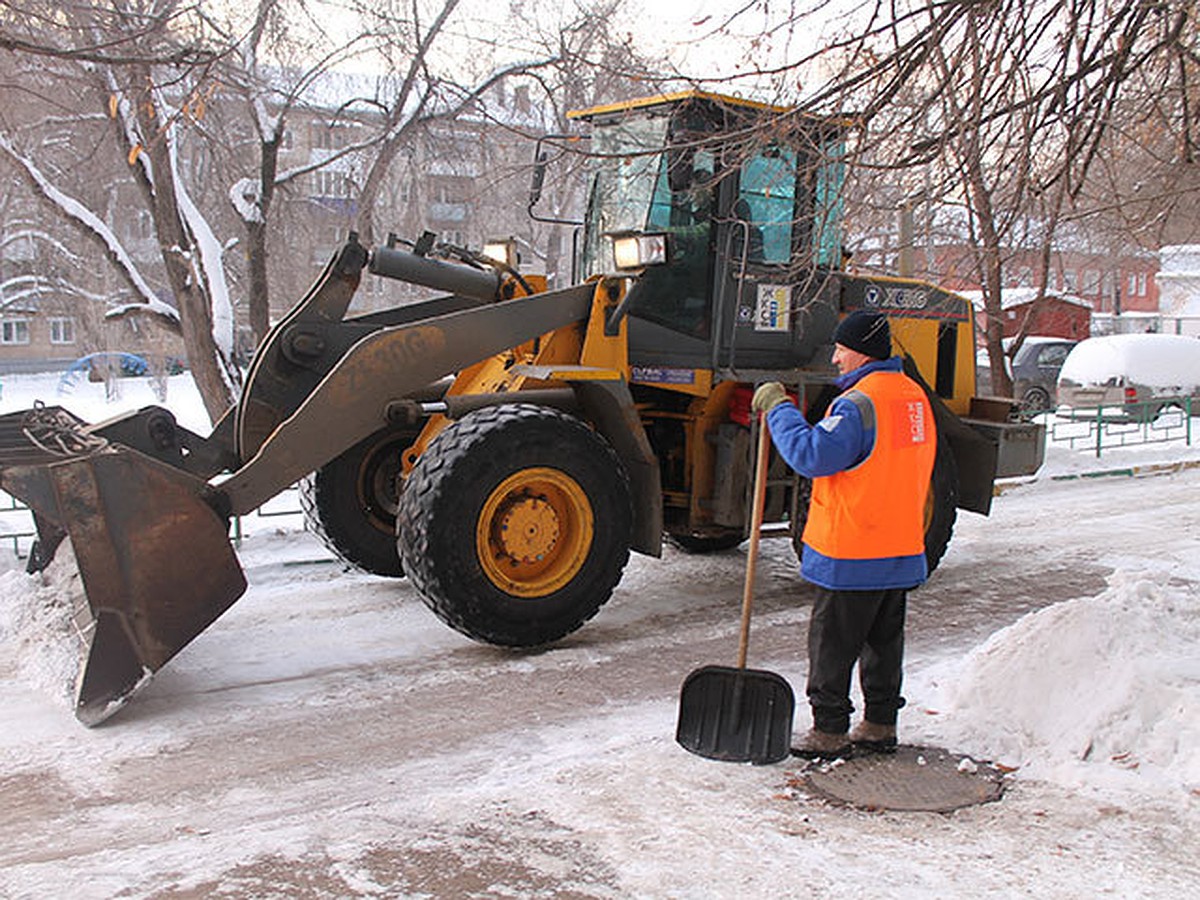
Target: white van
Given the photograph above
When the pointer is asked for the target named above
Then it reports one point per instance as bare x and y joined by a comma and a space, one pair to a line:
1131, 369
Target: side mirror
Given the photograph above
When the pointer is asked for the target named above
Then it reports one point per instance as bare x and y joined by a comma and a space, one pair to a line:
538, 178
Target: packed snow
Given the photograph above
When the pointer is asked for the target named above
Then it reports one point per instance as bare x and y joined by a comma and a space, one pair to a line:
276, 756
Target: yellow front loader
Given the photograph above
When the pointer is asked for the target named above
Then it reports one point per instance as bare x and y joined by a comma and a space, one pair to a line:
506, 446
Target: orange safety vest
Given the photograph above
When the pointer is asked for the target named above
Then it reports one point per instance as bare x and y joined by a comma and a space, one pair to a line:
876, 509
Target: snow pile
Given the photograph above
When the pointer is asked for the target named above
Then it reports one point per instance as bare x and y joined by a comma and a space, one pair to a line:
1092, 691
40, 620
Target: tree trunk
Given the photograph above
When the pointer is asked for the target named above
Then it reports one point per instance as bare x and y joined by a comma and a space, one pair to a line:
178, 249
256, 239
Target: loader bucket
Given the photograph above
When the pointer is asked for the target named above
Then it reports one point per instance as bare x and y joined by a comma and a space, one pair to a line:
154, 557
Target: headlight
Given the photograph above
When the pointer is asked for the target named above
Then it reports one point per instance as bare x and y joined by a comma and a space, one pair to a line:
502, 250
636, 251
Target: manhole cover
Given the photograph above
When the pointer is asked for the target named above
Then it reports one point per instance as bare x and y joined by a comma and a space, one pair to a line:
913, 778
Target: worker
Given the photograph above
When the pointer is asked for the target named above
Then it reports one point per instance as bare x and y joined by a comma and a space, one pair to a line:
870, 460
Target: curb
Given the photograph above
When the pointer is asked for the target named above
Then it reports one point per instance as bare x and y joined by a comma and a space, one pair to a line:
1132, 471
1123, 472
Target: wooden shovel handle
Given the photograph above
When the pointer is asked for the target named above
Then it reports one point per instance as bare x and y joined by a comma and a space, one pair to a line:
756, 518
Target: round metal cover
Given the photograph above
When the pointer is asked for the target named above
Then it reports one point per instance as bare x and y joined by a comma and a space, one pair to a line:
913, 778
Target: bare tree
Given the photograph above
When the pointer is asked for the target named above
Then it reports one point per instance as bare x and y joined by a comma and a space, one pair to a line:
130, 68
159, 93
1011, 104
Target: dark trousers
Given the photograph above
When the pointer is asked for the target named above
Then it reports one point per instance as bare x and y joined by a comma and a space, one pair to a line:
866, 627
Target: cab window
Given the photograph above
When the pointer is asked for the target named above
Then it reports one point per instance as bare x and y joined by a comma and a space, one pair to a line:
767, 203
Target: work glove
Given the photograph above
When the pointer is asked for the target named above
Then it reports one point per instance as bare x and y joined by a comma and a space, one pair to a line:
768, 396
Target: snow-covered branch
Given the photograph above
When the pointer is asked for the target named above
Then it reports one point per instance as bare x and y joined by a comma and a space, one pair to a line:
84, 218
207, 265
20, 230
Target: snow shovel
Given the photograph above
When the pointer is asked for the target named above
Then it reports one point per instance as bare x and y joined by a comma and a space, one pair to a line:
734, 713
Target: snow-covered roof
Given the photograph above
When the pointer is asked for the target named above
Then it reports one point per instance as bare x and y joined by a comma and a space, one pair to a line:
1010, 297
1179, 280
514, 102
1179, 261
1035, 339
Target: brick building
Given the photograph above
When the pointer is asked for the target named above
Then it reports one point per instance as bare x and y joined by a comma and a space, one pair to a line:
1106, 283
1057, 315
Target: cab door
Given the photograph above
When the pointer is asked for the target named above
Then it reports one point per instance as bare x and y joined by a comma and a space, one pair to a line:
776, 286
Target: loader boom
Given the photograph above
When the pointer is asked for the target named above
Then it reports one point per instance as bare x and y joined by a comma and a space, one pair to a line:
386, 366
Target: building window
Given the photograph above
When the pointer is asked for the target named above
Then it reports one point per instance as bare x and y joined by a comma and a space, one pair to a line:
323, 137
1091, 282
62, 331
331, 184
1141, 284
1070, 281
14, 331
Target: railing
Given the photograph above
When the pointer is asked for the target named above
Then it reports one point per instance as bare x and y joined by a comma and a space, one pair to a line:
1099, 428
17, 529
16, 525
284, 504
1165, 420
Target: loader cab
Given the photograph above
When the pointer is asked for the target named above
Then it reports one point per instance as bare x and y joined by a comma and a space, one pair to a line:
749, 199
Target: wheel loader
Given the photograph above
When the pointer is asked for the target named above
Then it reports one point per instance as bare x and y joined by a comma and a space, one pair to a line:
502, 445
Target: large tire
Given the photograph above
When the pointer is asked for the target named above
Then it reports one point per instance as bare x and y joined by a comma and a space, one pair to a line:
515, 524
350, 502
941, 508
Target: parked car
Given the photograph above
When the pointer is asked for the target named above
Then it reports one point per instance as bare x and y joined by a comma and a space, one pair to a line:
1141, 372
1034, 371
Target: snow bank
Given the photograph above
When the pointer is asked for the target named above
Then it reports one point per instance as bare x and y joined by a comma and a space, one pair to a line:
40, 620
1167, 361
1094, 691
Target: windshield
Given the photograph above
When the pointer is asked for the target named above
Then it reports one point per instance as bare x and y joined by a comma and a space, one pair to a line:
628, 159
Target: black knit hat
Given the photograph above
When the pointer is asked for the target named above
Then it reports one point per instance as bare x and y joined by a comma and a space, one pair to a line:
866, 332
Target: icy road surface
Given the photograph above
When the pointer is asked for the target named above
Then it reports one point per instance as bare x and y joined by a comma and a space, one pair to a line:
330, 738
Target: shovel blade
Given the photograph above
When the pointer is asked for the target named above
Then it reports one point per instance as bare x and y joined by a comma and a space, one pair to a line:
736, 715
154, 557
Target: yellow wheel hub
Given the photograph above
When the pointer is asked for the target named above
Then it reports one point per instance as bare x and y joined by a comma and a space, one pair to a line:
534, 532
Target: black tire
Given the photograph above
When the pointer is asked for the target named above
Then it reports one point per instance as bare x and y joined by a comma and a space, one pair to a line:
690, 543
941, 510
542, 470
351, 501
1035, 400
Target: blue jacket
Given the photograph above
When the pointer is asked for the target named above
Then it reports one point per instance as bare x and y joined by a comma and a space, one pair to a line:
840, 441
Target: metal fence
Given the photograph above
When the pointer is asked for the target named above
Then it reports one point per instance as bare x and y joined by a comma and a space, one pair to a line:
16, 525
1094, 429
17, 530
1098, 428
